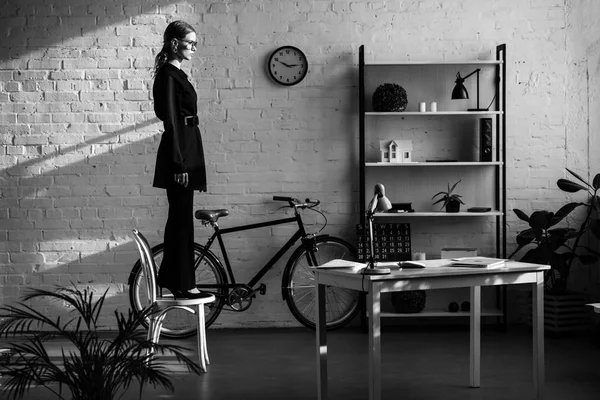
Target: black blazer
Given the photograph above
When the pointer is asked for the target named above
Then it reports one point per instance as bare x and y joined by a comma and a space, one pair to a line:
180, 148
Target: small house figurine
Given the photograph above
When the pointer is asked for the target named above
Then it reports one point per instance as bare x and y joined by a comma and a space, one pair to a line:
396, 151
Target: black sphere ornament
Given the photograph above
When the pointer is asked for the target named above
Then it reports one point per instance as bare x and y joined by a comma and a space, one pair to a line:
409, 301
389, 97
453, 307
465, 306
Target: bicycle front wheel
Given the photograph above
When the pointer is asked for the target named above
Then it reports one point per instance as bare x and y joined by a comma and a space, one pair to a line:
299, 284
180, 323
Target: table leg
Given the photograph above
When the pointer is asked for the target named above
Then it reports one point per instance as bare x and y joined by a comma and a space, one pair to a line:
321, 343
374, 309
538, 336
475, 338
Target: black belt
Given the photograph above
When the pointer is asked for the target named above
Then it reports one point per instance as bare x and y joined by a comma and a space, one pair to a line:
191, 121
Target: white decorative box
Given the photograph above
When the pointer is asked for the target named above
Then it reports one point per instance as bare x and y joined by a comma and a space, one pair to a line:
456, 252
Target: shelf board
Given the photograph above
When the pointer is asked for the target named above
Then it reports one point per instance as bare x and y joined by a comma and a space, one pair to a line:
431, 113
438, 214
434, 164
441, 313
416, 63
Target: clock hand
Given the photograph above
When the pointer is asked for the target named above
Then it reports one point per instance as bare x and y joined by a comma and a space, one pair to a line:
285, 64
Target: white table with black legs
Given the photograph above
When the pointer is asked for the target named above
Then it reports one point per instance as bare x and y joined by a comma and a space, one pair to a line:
434, 276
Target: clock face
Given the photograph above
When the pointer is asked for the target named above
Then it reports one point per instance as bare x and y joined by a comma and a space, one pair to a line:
288, 65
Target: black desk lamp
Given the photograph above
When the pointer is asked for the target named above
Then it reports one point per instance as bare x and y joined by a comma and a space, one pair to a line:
378, 203
460, 91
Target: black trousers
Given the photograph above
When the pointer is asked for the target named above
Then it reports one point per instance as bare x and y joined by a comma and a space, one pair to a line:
177, 267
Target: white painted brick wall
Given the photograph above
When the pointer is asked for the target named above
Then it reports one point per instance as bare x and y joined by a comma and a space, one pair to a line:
78, 135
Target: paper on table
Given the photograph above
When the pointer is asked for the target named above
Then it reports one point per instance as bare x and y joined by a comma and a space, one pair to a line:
477, 262
342, 264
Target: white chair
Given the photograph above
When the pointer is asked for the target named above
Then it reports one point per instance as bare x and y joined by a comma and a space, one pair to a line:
165, 304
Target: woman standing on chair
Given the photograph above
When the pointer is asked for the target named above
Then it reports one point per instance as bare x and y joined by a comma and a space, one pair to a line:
180, 160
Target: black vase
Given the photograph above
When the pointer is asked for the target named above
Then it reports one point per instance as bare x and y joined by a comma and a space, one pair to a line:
453, 206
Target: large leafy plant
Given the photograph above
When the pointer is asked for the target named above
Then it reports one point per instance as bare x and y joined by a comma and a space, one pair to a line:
560, 247
92, 368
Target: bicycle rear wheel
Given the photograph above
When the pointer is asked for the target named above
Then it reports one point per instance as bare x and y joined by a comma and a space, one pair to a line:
180, 323
299, 285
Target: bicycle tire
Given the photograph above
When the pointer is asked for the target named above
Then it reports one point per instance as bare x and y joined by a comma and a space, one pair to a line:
298, 285
180, 323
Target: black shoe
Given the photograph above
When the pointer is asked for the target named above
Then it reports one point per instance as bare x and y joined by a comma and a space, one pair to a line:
184, 294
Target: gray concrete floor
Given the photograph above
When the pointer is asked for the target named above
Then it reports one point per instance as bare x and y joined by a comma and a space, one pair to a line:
418, 364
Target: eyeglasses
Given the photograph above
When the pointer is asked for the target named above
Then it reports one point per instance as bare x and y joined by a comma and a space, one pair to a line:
190, 42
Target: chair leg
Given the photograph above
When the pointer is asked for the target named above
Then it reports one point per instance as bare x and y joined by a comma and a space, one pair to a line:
154, 328
150, 337
158, 326
202, 352
203, 325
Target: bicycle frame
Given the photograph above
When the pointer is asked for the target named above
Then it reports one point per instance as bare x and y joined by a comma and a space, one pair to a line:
218, 234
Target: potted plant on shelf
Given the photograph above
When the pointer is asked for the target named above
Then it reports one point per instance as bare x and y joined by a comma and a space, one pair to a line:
94, 368
452, 201
544, 242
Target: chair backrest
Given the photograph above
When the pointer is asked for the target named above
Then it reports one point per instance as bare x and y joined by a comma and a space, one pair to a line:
148, 265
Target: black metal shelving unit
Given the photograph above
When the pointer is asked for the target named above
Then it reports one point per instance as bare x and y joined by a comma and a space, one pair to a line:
497, 110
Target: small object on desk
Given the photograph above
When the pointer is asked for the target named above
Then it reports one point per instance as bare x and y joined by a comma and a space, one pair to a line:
411, 264
479, 209
476, 262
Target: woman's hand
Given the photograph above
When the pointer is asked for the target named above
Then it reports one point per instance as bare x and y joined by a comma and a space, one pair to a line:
182, 179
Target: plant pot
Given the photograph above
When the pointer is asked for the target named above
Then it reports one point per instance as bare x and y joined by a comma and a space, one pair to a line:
453, 206
566, 313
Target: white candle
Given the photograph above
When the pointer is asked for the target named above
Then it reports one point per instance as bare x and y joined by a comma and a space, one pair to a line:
422, 106
433, 106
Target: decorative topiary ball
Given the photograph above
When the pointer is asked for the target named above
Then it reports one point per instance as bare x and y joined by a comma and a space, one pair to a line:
389, 97
409, 301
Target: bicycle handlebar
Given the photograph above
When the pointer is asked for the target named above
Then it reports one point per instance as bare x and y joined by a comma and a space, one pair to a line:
308, 203
282, 198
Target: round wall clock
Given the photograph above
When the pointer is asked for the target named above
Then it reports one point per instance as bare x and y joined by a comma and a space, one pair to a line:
288, 65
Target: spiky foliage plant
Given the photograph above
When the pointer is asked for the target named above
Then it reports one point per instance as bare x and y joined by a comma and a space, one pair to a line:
91, 368
448, 196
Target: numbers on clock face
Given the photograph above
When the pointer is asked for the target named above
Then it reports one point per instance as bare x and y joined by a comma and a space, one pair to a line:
288, 65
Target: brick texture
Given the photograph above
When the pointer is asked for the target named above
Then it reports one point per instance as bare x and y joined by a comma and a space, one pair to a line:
78, 136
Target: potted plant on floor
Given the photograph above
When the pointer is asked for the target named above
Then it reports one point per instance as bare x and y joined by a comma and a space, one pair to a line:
95, 368
452, 201
562, 247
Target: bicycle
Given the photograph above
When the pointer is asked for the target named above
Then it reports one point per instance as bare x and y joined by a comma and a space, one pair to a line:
297, 285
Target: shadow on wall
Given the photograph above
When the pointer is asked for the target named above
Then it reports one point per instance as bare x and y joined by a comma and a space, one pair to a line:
37, 30
73, 197
72, 212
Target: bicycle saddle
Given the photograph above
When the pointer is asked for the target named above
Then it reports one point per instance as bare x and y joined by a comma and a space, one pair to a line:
210, 215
